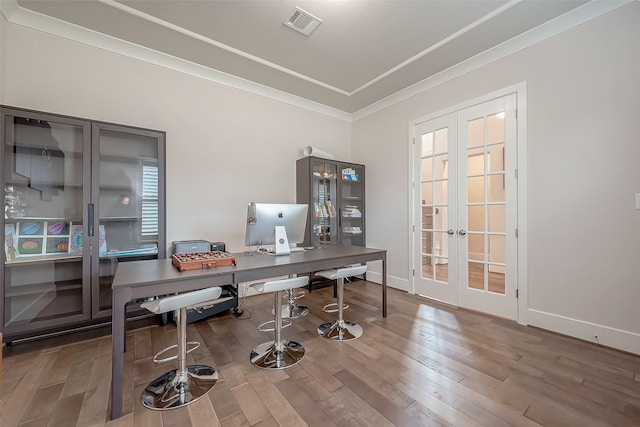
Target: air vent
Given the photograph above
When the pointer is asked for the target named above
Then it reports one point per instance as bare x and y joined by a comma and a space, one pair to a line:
302, 21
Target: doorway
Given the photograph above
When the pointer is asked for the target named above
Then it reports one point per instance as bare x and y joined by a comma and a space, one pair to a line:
465, 207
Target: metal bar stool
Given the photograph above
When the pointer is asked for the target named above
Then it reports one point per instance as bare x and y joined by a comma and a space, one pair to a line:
279, 353
340, 329
186, 384
291, 310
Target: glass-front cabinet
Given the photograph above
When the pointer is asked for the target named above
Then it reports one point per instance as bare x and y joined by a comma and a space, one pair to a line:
79, 197
335, 192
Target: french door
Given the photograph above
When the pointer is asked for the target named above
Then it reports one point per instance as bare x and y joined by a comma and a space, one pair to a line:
465, 198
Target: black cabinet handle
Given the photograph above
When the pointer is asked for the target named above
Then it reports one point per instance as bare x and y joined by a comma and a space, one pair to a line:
90, 215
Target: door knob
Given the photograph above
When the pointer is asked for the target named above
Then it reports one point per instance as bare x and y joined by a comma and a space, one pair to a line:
450, 232
462, 232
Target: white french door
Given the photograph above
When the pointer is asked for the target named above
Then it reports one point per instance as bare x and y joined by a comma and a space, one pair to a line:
465, 212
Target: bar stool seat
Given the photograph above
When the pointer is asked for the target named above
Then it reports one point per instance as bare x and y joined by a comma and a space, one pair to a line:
340, 329
279, 353
186, 384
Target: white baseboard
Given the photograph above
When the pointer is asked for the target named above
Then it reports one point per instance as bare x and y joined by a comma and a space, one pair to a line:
392, 281
607, 336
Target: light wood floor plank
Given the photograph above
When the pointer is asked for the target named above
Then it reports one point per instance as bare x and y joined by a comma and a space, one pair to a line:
304, 404
252, 406
16, 405
281, 410
425, 364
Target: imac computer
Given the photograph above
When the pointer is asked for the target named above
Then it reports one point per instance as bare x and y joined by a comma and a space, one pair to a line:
275, 224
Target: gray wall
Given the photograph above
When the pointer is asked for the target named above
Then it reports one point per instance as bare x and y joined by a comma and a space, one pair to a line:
583, 103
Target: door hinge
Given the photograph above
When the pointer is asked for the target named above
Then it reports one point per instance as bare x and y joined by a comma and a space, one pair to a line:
414, 141
414, 228
517, 294
516, 173
515, 113
413, 272
516, 233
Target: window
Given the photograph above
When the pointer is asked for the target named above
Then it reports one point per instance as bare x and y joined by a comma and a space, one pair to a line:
149, 200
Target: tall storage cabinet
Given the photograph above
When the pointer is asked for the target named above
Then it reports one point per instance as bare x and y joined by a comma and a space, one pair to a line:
335, 193
79, 197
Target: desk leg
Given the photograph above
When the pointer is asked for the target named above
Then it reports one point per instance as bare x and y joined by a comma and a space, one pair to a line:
384, 285
117, 352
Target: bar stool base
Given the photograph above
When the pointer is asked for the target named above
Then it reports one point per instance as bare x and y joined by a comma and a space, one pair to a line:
266, 355
165, 392
349, 331
297, 311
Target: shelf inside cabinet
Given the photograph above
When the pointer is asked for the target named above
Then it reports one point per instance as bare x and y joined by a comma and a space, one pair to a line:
114, 158
119, 219
148, 250
45, 259
116, 187
39, 288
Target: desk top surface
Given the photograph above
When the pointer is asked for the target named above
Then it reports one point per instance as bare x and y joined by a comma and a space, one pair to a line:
140, 273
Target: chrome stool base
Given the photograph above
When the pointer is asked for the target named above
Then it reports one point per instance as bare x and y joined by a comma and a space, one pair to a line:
169, 392
347, 332
293, 312
267, 355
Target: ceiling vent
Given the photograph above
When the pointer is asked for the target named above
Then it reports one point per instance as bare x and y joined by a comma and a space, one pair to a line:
302, 21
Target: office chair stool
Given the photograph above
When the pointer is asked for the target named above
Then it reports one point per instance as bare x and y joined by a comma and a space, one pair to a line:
186, 384
340, 329
279, 353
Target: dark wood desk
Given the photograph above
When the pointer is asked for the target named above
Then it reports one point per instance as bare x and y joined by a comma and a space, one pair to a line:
141, 279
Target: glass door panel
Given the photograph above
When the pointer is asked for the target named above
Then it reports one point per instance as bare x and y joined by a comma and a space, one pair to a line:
351, 211
483, 243
325, 189
433, 192
127, 201
44, 197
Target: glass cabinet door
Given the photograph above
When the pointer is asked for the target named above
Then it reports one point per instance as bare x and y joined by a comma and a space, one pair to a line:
128, 199
325, 217
43, 271
351, 208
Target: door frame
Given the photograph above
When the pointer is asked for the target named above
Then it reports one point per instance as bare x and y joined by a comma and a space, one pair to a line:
520, 90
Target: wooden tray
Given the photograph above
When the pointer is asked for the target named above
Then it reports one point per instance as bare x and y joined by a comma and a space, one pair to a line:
202, 260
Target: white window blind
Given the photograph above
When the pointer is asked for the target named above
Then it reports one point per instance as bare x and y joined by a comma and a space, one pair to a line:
149, 200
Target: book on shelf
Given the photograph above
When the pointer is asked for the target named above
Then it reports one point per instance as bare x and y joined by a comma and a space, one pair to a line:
351, 212
352, 230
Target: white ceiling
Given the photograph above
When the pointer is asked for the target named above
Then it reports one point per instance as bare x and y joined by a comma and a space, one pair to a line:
363, 51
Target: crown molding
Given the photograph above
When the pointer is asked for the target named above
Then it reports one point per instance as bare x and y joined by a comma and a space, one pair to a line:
30, 19
47, 24
572, 19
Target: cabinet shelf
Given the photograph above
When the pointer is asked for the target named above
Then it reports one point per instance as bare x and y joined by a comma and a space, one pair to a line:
45, 259
119, 219
39, 288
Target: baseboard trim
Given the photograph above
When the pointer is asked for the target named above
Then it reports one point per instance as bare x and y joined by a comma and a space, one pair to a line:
607, 336
392, 281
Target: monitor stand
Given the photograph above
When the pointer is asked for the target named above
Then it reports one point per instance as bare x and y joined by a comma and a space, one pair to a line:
282, 243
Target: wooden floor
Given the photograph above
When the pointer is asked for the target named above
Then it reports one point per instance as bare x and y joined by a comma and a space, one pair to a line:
425, 364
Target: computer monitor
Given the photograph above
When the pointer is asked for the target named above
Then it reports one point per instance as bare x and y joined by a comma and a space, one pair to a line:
278, 224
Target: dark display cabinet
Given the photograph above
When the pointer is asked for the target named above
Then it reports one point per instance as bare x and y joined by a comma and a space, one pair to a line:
335, 192
79, 197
